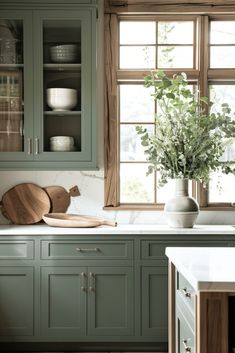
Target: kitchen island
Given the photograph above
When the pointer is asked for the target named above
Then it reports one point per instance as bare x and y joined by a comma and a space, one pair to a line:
201, 300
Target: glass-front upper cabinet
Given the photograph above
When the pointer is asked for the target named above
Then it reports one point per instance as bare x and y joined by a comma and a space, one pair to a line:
63, 128
48, 86
15, 65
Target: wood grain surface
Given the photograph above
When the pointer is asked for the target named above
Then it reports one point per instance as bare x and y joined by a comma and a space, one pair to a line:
59, 197
75, 221
26, 203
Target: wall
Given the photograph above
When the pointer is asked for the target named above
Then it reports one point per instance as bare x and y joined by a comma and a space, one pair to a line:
91, 184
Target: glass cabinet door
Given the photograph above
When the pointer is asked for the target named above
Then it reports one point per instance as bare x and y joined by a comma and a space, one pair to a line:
65, 86
15, 130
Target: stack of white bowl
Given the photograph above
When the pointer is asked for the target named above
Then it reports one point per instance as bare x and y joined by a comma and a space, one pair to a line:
61, 143
65, 53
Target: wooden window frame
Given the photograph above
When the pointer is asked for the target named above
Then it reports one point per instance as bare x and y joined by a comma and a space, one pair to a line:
113, 75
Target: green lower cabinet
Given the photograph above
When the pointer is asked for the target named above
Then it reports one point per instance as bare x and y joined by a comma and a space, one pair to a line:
74, 298
16, 301
110, 301
154, 302
63, 295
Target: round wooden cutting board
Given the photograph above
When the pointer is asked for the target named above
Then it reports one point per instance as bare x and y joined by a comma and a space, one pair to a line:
26, 203
59, 197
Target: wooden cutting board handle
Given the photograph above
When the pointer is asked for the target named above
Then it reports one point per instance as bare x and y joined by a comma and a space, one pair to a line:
105, 222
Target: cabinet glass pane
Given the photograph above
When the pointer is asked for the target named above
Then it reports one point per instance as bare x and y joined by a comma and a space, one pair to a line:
11, 85
62, 85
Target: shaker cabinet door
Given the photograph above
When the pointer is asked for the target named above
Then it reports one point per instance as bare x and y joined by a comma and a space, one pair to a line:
154, 302
110, 301
16, 301
63, 294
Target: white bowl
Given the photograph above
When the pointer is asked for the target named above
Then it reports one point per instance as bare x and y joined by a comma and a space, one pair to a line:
62, 142
61, 149
61, 99
66, 53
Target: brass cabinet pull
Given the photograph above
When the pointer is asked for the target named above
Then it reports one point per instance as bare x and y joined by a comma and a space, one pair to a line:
92, 282
29, 145
83, 282
186, 347
36, 145
88, 250
186, 293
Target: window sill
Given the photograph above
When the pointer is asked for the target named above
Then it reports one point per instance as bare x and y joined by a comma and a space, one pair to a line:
161, 208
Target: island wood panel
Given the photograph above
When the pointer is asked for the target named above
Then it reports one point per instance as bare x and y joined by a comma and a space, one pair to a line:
171, 308
212, 322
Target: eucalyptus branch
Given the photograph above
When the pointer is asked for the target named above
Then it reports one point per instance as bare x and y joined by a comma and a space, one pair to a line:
189, 143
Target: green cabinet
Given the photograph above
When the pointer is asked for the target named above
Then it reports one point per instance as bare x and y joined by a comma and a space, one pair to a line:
154, 302
93, 290
16, 301
48, 86
110, 301
63, 296
77, 298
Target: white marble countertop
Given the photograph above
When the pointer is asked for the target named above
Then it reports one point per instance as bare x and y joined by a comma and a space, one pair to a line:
128, 229
206, 269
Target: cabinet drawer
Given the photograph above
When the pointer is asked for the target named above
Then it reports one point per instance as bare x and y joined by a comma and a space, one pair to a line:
16, 250
87, 250
155, 249
185, 335
185, 290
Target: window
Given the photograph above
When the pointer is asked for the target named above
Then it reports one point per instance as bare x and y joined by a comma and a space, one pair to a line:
221, 82
173, 44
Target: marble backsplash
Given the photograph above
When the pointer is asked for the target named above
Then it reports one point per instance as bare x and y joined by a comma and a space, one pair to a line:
91, 200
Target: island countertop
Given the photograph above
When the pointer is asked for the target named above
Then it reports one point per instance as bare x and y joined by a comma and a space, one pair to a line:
206, 269
125, 229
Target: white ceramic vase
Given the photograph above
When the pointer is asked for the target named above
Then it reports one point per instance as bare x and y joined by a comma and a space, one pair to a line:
182, 210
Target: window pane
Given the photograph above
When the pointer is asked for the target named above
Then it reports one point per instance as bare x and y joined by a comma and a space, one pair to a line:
175, 32
130, 143
136, 104
220, 94
222, 57
175, 57
222, 32
137, 57
135, 186
136, 32
221, 188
